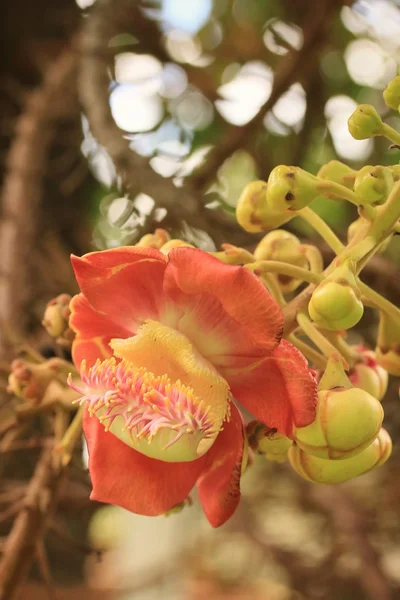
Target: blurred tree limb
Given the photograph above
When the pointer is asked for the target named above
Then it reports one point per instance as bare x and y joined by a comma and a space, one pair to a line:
105, 22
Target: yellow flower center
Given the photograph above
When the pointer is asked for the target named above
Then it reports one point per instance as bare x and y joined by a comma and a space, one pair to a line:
161, 397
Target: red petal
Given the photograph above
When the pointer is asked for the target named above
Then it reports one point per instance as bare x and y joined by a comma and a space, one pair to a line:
281, 391
126, 478
226, 311
219, 485
125, 283
93, 330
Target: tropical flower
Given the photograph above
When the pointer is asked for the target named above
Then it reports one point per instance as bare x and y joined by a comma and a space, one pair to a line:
164, 344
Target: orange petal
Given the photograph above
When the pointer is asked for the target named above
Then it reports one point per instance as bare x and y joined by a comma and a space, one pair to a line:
124, 477
93, 332
225, 310
125, 283
219, 485
281, 391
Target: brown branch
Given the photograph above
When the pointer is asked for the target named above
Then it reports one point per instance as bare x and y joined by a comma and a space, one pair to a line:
290, 70
103, 24
30, 524
22, 188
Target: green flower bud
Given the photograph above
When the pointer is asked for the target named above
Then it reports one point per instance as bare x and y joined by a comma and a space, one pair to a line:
233, 255
391, 94
373, 184
291, 188
285, 247
335, 303
253, 212
365, 122
347, 421
268, 442
388, 345
338, 172
165, 248
319, 470
368, 375
395, 169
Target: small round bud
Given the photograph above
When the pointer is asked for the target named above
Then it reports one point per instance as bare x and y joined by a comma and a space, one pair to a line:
268, 442
291, 188
335, 304
253, 212
373, 184
154, 240
285, 247
29, 380
174, 244
391, 94
338, 172
365, 122
347, 421
56, 315
319, 470
368, 375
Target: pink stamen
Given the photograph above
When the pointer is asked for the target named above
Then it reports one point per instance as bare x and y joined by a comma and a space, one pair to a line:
146, 403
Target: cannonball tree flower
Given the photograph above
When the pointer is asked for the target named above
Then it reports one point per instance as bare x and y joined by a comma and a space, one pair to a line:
164, 344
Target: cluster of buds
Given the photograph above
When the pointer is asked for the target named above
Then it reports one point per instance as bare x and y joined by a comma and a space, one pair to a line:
31, 381
346, 439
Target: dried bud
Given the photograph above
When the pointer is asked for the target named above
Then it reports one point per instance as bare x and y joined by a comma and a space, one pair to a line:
174, 244
338, 172
373, 184
30, 380
56, 315
154, 240
347, 421
335, 303
365, 122
291, 188
253, 212
391, 94
368, 375
319, 470
268, 442
285, 247
388, 345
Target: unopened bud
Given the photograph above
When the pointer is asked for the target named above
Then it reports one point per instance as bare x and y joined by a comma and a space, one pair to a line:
319, 470
365, 122
253, 212
373, 184
391, 94
174, 244
335, 303
347, 421
338, 172
268, 442
56, 315
388, 345
291, 188
284, 247
368, 375
358, 230
154, 240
